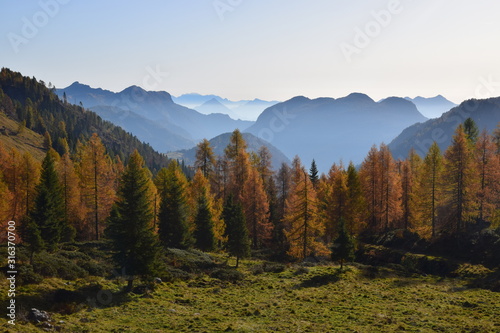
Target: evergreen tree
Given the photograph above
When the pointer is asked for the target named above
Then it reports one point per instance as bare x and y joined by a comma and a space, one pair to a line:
238, 242
48, 211
471, 130
343, 246
313, 174
130, 222
172, 217
204, 232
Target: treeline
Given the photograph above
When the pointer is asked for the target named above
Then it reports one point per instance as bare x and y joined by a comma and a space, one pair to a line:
65, 126
238, 203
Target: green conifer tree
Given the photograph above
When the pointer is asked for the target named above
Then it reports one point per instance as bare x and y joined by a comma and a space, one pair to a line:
172, 217
343, 246
238, 241
204, 232
48, 211
130, 224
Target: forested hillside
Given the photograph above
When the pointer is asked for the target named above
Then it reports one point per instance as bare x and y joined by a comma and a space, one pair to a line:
38, 108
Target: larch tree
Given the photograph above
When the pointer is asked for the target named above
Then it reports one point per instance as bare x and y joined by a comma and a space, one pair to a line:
74, 209
130, 224
238, 242
459, 173
409, 170
304, 227
372, 187
97, 181
488, 166
256, 209
390, 196
239, 164
283, 188
356, 205
30, 175
429, 189
172, 217
205, 159
12, 169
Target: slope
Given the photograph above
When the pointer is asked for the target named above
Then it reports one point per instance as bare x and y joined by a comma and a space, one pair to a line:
486, 114
27, 100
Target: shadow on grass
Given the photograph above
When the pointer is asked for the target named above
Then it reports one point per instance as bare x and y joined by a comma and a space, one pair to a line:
66, 301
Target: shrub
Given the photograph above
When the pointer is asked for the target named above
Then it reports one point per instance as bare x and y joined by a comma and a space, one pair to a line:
50, 265
26, 275
227, 274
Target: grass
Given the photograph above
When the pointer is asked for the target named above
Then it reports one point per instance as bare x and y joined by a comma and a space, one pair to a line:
26, 141
316, 299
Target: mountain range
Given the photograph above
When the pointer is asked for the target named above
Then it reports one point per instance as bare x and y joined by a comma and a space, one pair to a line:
206, 104
329, 130
177, 127
432, 107
485, 113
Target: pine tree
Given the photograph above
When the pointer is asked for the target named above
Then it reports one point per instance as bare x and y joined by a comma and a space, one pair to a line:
343, 246
283, 187
313, 173
172, 217
47, 214
238, 242
204, 232
372, 187
130, 222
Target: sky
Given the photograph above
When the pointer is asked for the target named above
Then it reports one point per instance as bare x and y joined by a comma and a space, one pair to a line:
267, 49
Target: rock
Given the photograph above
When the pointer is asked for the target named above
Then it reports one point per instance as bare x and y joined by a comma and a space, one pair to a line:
158, 280
38, 316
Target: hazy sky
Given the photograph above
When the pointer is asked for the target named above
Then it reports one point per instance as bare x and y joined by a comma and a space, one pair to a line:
273, 49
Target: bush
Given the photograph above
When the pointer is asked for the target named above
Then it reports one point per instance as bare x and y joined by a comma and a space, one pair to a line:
26, 275
190, 260
74, 255
226, 274
50, 265
268, 267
